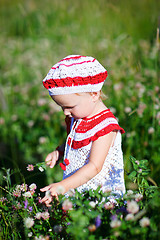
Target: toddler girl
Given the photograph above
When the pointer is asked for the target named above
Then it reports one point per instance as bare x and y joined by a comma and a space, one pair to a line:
92, 151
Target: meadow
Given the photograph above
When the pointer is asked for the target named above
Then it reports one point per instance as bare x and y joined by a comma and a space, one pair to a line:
124, 37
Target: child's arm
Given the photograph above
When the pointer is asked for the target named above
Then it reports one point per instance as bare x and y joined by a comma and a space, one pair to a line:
54, 156
98, 154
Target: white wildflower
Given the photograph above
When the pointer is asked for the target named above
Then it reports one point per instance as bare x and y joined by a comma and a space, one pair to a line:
92, 204
127, 109
23, 187
144, 222
27, 194
129, 217
71, 192
109, 205
45, 215
151, 130
115, 223
132, 207
60, 189
30, 234
38, 215
33, 186
28, 222
138, 197
129, 192
67, 205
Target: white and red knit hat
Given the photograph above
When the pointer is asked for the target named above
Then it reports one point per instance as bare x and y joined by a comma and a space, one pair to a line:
75, 74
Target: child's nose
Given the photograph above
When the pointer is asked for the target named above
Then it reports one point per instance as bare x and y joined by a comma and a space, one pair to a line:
66, 112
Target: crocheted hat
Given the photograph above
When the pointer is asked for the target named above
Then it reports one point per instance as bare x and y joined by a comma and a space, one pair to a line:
75, 74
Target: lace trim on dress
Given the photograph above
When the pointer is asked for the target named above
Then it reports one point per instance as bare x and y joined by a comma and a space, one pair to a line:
104, 131
89, 123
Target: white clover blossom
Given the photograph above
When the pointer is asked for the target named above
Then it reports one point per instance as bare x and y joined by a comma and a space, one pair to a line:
17, 193
38, 215
71, 192
60, 189
27, 194
28, 222
18, 187
129, 192
151, 130
138, 197
33, 186
109, 205
30, 234
129, 217
92, 204
132, 207
67, 205
45, 215
127, 109
115, 223
144, 222
23, 187
42, 140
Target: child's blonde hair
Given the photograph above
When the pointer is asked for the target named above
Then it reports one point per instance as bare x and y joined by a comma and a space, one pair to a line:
101, 97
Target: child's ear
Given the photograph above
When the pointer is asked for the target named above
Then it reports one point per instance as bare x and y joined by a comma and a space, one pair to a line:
95, 95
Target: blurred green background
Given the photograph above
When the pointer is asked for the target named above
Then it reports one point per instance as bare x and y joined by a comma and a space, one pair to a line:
34, 35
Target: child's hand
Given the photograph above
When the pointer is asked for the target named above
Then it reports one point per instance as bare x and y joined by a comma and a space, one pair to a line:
52, 158
51, 191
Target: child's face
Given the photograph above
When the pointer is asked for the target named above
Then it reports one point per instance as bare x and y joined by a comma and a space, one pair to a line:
77, 105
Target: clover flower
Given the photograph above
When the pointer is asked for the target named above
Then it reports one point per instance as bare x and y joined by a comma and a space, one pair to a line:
60, 189
144, 222
92, 204
30, 234
17, 193
67, 205
129, 217
27, 194
28, 222
151, 130
132, 207
115, 223
71, 192
38, 215
108, 205
129, 192
138, 197
33, 186
45, 215
23, 187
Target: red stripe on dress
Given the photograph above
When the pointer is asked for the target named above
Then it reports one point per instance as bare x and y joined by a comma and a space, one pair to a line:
85, 126
104, 131
76, 81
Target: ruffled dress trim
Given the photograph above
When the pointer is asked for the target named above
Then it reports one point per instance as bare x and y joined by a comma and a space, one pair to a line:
88, 125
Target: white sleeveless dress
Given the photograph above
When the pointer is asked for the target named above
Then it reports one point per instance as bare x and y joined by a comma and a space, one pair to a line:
81, 134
